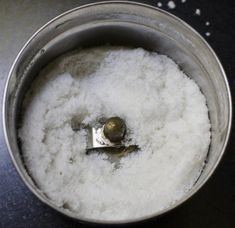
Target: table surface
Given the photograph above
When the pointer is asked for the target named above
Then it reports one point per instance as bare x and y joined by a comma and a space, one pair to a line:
212, 206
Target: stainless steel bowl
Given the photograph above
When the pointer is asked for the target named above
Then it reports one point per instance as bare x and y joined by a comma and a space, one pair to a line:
120, 23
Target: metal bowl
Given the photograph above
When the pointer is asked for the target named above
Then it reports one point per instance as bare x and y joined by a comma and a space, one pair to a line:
128, 24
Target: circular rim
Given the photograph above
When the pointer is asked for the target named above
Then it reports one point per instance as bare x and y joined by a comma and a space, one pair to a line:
178, 203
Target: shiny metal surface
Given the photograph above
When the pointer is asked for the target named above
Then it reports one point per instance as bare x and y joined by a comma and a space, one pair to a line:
96, 140
121, 23
115, 129
101, 136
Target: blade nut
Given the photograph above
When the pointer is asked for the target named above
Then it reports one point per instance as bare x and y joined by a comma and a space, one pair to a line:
115, 129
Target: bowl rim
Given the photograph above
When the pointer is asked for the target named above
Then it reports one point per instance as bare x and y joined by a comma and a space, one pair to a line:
81, 219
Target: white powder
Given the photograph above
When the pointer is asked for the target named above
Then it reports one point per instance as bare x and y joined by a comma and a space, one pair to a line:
163, 108
208, 33
198, 12
159, 4
171, 4
207, 23
183, 1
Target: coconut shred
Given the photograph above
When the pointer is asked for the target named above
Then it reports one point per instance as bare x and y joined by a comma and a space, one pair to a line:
166, 116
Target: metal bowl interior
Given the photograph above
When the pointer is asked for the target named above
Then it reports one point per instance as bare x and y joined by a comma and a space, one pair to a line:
128, 24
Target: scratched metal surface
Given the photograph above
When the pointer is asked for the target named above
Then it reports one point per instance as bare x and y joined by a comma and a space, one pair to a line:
213, 206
